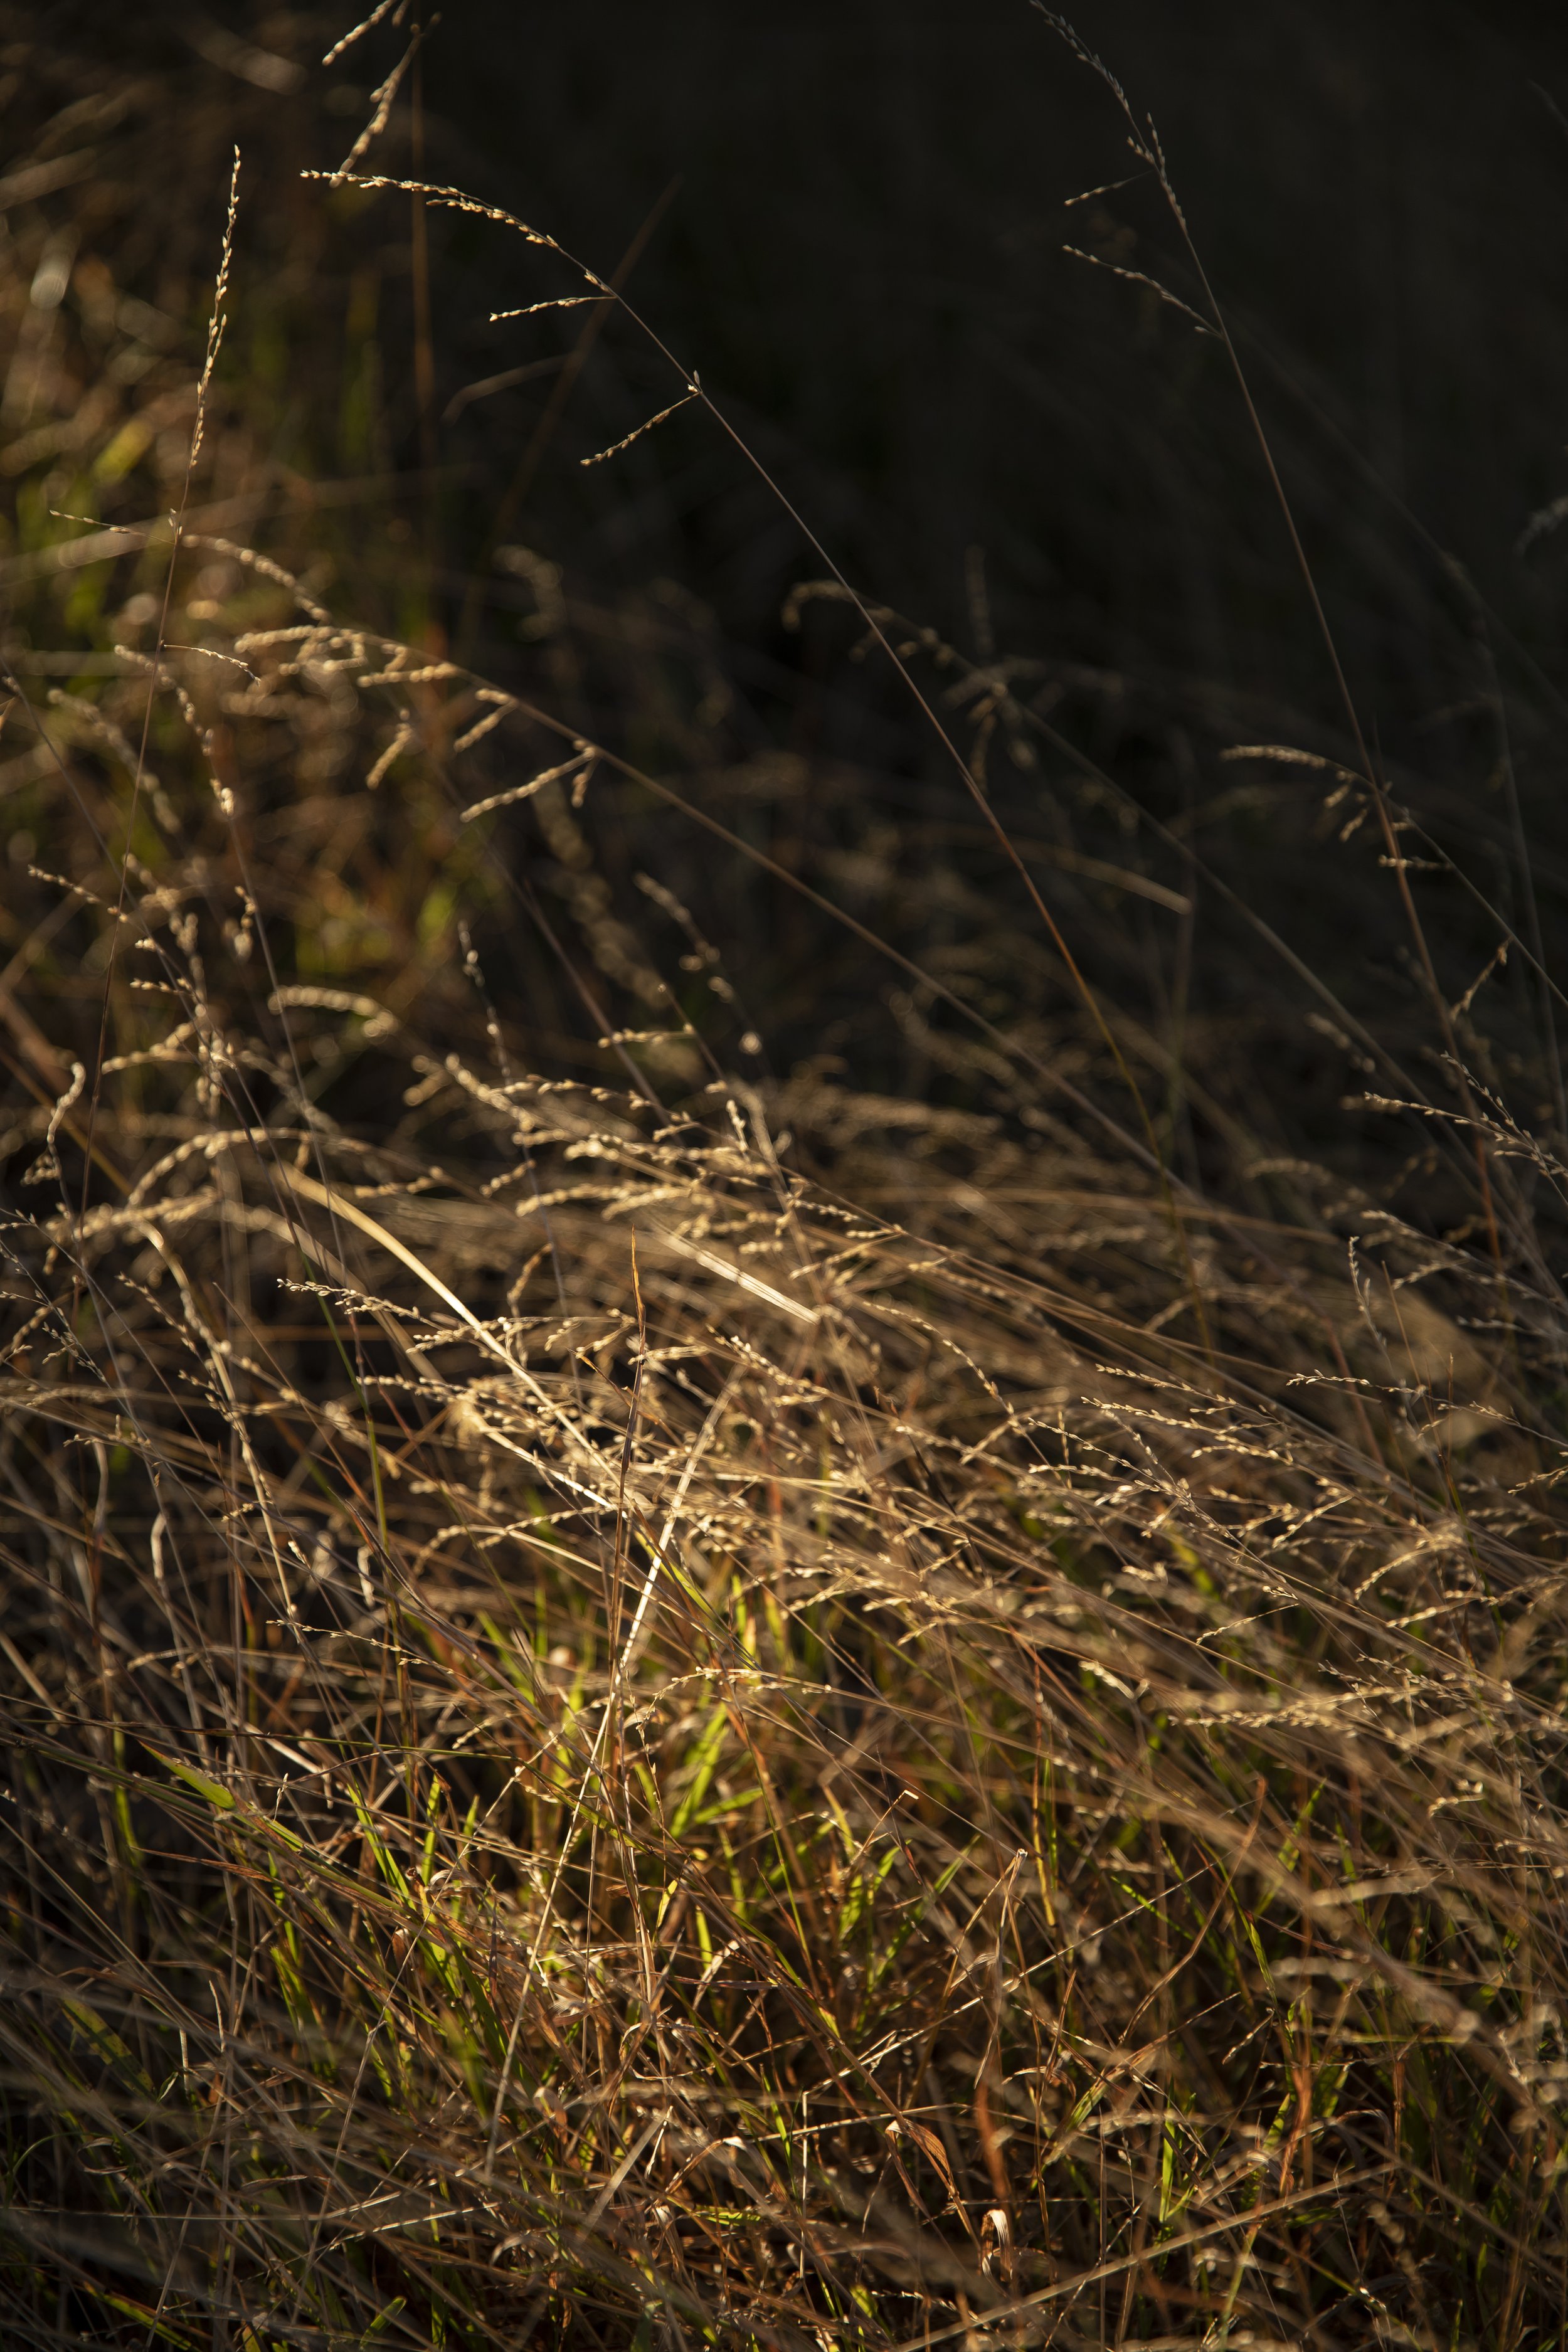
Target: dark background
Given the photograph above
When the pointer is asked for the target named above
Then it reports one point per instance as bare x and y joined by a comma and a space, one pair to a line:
862, 255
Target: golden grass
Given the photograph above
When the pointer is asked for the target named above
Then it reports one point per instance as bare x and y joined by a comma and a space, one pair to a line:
649, 1705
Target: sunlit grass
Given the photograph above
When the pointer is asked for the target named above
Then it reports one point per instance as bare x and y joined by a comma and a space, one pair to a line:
649, 1705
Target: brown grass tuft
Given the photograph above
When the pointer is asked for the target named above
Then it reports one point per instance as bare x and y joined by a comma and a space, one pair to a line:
651, 1704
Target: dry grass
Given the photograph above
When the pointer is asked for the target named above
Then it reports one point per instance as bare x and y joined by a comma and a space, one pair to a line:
648, 1704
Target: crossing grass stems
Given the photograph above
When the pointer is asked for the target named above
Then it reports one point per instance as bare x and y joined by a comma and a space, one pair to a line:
648, 1704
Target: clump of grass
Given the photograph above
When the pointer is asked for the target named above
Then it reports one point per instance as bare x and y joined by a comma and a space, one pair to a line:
646, 1705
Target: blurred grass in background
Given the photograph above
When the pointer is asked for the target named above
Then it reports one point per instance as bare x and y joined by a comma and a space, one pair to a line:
853, 223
